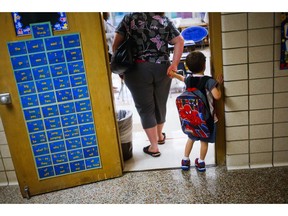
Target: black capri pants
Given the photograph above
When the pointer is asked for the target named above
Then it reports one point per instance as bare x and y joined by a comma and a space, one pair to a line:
149, 85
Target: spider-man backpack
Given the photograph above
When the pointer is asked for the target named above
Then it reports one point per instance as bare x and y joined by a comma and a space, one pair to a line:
193, 108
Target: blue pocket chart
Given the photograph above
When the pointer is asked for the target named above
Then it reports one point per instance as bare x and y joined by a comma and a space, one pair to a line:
73, 54
52, 87
85, 117
43, 161
51, 123
62, 169
58, 146
90, 152
54, 135
26, 88
58, 70
34, 126
89, 141
37, 138
49, 111
75, 155
20, 62
40, 30
92, 163
77, 166
64, 95
44, 85
61, 82
83, 105
41, 149
38, 59
87, 129
35, 46
78, 80
76, 67
56, 57
33, 113
59, 158
29, 101
23, 75
73, 143
17, 48
66, 108
71, 41
69, 120
42, 72
71, 132
46, 172
53, 43
80, 93
46, 98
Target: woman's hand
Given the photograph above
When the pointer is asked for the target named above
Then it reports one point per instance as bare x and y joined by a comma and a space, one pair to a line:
172, 68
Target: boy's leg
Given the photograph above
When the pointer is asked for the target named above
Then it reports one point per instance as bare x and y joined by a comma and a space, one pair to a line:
188, 147
185, 163
203, 150
200, 163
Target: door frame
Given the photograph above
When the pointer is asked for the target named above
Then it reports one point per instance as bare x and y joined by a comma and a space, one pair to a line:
217, 69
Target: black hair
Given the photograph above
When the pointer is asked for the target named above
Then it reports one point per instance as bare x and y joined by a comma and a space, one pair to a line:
106, 15
196, 61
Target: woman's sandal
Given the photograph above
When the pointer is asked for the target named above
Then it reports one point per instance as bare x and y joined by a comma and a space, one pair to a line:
153, 154
161, 142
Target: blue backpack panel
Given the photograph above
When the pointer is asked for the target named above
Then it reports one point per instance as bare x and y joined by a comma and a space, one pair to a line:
193, 108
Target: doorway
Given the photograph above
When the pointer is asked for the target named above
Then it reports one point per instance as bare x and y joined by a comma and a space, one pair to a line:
215, 68
173, 149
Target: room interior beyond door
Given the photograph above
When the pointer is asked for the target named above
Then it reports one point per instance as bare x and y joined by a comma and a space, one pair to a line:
172, 151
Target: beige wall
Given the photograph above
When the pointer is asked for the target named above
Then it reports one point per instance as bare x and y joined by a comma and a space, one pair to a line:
7, 173
256, 91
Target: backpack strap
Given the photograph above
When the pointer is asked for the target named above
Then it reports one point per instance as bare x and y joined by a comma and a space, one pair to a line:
193, 84
203, 81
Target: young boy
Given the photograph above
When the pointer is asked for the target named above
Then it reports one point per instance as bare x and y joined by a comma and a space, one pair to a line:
196, 63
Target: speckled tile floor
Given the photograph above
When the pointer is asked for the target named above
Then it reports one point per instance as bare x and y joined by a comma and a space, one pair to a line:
171, 186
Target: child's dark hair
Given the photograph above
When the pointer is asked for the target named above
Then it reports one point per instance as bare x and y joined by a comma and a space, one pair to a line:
196, 61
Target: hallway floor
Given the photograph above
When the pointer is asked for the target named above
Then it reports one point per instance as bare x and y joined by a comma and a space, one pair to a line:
148, 180
216, 186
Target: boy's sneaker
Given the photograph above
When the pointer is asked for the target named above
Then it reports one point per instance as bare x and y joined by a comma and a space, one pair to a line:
200, 166
185, 165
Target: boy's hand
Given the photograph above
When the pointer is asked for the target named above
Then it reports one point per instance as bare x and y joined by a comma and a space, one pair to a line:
171, 73
220, 79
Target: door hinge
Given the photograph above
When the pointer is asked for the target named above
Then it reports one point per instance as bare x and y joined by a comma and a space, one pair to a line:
26, 191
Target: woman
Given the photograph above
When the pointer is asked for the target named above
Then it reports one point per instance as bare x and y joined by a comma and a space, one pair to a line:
149, 81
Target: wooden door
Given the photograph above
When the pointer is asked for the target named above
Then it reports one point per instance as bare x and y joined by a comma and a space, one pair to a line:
86, 146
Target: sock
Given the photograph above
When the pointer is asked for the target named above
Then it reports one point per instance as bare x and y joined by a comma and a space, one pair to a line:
200, 161
186, 158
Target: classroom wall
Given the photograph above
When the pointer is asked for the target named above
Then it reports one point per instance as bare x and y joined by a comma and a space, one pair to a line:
256, 91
